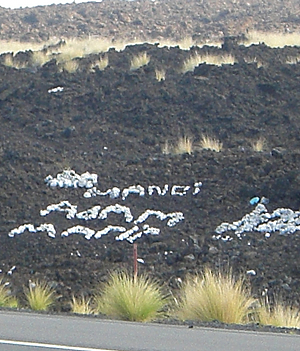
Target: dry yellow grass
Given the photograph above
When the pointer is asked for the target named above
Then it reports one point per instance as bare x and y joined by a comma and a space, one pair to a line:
259, 144
184, 145
215, 296
16, 46
101, 64
209, 143
160, 74
197, 59
70, 66
39, 58
81, 305
279, 315
274, 40
139, 60
254, 60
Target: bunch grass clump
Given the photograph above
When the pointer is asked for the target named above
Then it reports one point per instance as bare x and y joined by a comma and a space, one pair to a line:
130, 298
81, 305
259, 144
70, 66
278, 315
101, 64
160, 74
215, 296
139, 60
6, 300
184, 145
39, 296
210, 143
210, 59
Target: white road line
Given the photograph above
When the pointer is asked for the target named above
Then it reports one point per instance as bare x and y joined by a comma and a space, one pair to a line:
50, 346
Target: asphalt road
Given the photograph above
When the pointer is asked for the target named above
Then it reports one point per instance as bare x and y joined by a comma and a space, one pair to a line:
37, 332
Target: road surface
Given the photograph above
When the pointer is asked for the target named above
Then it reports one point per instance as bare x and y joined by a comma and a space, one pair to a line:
38, 332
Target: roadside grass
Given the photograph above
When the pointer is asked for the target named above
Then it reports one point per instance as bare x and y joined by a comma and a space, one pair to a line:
39, 296
6, 300
271, 39
278, 315
215, 296
139, 60
81, 305
195, 60
209, 143
258, 145
133, 299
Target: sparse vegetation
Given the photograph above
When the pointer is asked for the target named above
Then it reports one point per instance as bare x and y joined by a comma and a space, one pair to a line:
209, 143
258, 145
279, 315
293, 60
184, 145
39, 296
39, 58
101, 64
274, 40
6, 300
197, 59
215, 296
70, 66
81, 305
127, 298
139, 60
160, 74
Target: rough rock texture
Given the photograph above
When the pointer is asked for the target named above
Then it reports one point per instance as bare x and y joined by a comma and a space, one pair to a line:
115, 123
204, 19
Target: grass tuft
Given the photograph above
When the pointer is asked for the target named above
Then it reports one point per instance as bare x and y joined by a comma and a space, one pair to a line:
215, 296
101, 64
184, 146
139, 60
70, 66
6, 300
39, 296
259, 144
39, 58
209, 143
279, 315
196, 59
81, 305
128, 298
160, 74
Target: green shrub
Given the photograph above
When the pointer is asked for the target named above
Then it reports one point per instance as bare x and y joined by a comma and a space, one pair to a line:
129, 298
39, 296
215, 296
